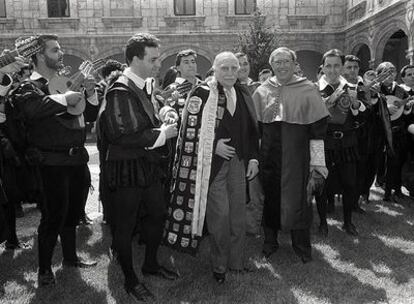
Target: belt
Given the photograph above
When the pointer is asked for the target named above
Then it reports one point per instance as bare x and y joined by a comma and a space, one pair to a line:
71, 151
340, 134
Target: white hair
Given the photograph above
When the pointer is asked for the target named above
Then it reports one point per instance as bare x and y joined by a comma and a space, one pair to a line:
221, 56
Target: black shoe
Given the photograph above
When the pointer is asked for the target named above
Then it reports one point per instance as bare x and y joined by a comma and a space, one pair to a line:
16, 246
220, 277
359, 210
140, 293
269, 249
162, 273
400, 195
387, 196
306, 259
19, 211
79, 263
330, 209
45, 278
350, 229
323, 230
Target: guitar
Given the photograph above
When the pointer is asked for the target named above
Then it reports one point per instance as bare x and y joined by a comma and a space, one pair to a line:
61, 84
25, 48
397, 110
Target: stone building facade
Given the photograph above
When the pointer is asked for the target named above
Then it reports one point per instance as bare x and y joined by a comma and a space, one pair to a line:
89, 29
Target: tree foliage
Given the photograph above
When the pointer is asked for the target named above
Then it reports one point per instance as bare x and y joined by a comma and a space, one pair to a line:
258, 42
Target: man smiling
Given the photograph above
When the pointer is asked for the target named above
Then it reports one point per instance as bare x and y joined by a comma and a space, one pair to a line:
293, 121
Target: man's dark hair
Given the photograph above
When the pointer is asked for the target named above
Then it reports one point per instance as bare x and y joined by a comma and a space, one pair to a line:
333, 53
184, 53
353, 58
170, 76
42, 40
136, 45
110, 66
209, 73
319, 70
265, 71
240, 55
405, 68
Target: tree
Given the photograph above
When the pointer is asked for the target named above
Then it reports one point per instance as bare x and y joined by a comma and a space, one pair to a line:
258, 42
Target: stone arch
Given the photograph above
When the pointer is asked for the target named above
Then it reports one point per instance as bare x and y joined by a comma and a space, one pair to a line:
73, 61
113, 52
383, 34
395, 49
309, 61
357, 42
363, 52
314, 46
175, 49
76, 52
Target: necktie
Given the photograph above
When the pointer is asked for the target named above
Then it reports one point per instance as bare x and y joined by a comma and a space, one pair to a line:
231, 103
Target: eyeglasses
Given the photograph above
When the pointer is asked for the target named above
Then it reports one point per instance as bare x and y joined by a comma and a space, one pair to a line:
281, 62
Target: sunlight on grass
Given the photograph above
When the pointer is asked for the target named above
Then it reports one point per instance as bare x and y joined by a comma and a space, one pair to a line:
381, 268
369, 277
387, 211
398, 243
333, 222
265, 264
310, 299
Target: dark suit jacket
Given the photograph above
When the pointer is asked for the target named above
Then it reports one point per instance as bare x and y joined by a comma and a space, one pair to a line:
250, 127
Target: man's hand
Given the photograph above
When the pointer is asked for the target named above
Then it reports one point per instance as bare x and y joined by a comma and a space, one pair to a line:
72, 98
252, 169
331, 100
14, 66
89, 84
223, 150
355, 103
170, 130
321, 170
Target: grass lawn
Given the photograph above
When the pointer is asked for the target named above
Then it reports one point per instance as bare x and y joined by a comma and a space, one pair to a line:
376, 267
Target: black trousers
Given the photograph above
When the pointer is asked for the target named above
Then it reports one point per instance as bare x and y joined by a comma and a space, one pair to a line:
345, 174
394, 167
14, 190
301, 243
366, 169
127, 205
63, 190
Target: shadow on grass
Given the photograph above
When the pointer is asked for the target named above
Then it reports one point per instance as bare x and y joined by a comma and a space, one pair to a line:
70, 288
374, 267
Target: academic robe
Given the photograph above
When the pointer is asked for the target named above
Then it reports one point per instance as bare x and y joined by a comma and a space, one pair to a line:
290, 116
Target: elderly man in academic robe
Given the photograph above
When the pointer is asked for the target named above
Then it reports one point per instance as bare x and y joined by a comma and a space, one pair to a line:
293, 121
217, 150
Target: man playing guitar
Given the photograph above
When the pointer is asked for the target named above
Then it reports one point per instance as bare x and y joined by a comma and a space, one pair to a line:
52, 140
399, 106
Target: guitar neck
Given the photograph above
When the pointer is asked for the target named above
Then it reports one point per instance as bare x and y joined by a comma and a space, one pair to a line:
8, 58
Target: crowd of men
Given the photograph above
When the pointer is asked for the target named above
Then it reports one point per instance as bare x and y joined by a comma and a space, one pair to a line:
179, 159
